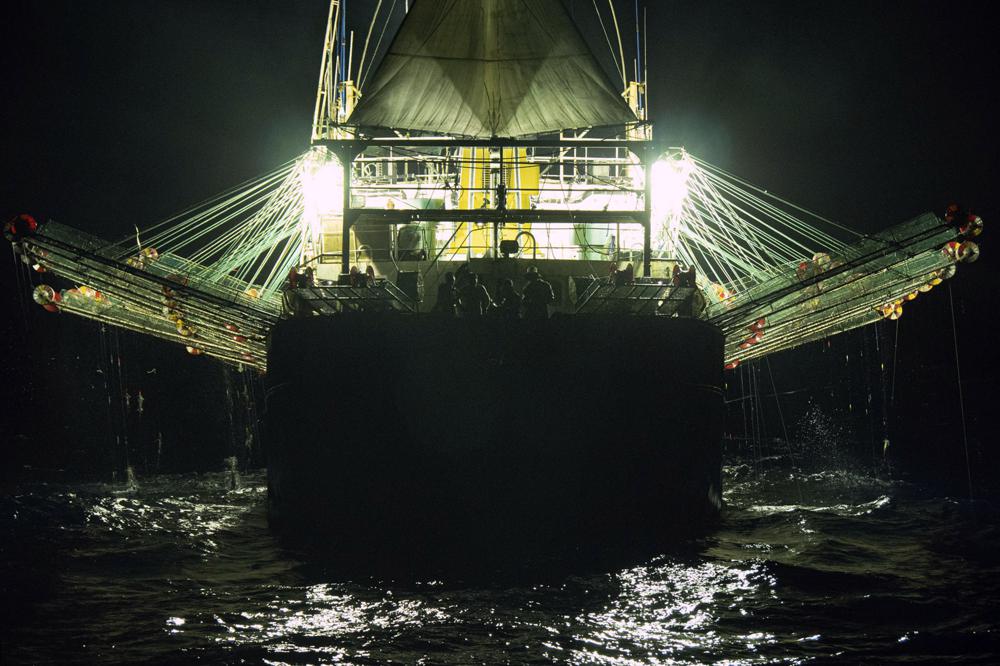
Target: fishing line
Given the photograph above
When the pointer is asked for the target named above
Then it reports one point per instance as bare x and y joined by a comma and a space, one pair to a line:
781, 418
961, 401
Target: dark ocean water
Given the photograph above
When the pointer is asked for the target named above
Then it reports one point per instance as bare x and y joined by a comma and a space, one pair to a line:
830, 567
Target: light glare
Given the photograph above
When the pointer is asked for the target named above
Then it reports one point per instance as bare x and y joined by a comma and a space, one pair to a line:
322, 183
669, 178
322, 187
670, 186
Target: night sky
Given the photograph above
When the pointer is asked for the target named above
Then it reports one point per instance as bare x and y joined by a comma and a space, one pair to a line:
121, 113
124, 112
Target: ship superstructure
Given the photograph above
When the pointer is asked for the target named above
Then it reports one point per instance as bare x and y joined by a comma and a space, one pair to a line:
488, 135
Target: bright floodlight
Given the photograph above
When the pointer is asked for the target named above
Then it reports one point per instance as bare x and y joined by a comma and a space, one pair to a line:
323, 186
322, 197
670, 176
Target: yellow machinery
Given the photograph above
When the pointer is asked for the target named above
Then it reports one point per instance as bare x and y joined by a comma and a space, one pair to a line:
479, 188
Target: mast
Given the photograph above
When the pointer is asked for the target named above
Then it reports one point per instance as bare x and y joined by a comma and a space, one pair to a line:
325, 102
336, 93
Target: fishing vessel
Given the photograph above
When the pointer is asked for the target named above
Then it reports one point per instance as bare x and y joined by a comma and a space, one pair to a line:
489, 147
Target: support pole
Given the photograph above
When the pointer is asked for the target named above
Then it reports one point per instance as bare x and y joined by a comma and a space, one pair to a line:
346, 156
647, 217
500, 194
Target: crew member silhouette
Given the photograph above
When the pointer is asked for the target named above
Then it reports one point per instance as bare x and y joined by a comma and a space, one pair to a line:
537, 296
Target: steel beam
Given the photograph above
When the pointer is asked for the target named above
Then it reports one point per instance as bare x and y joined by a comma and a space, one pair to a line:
359, 145
495, 216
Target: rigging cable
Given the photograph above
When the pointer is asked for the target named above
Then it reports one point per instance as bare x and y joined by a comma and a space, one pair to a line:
619, 69
378, 44
618, 33
371, 26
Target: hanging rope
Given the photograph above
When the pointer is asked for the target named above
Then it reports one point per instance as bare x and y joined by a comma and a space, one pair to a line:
784, 430
961, 401
882, 393
24, 285
895, 354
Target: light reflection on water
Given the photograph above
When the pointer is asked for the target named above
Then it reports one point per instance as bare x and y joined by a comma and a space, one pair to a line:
667, 611
183, 569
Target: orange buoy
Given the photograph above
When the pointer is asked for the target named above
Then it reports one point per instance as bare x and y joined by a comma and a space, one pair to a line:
21, 225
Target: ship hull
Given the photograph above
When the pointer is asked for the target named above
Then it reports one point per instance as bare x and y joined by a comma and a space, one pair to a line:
429, 440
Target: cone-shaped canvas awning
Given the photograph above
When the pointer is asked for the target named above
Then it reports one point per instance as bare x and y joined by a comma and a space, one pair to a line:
485, 68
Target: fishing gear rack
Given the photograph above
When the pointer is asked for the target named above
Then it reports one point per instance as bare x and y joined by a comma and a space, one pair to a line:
830, 294
160, 295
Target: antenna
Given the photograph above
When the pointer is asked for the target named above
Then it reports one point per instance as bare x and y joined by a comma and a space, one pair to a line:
638, 53
350, 58
645, 64
343, 56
